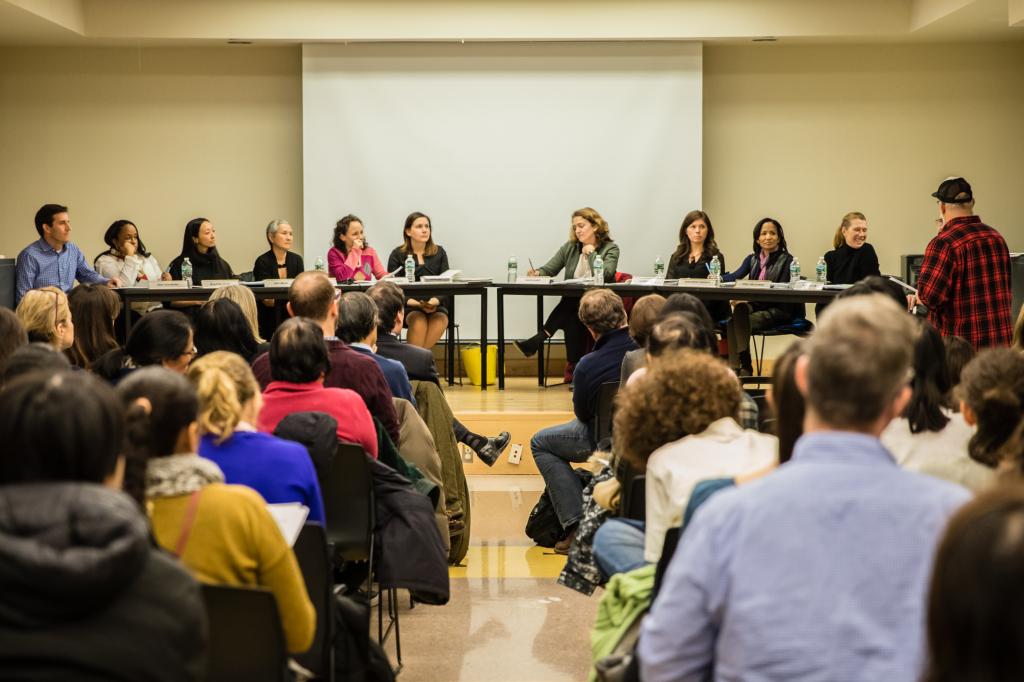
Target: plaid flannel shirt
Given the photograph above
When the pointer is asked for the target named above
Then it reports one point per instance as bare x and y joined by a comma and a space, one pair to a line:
965, 282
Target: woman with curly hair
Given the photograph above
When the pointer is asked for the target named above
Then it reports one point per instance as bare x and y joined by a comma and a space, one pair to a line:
679, 422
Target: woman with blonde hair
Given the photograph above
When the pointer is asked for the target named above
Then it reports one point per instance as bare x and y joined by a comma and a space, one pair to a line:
46, 317
229, 407
589, 237
851, 258
246, 300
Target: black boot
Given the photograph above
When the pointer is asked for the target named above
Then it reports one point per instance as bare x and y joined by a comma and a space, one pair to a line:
531, 345
746, 367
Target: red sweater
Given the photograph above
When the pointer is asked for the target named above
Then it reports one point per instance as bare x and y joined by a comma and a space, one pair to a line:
355, 425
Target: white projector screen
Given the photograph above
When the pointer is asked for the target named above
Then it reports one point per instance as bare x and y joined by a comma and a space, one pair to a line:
499, 144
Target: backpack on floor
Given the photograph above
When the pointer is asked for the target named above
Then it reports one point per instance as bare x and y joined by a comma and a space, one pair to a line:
357, 656
543, 527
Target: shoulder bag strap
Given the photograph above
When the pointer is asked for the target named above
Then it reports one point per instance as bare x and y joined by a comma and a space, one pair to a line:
187, 523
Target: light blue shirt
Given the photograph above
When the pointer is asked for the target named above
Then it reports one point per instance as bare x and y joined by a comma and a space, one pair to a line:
40, 266
817, 572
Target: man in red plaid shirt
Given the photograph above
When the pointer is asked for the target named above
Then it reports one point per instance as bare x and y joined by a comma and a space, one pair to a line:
965, 276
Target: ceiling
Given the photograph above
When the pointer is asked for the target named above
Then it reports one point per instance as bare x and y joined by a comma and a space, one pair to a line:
191, 22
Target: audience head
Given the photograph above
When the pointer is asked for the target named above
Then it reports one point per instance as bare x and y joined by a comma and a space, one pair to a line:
52, 221
992, 398
46, 317
12, 335
646, 312
123, 236
95, 307
786, 400
246, 300
228, 393
162, 337
688, 303
298, 353
586, 223
347, 232
959, 352
677, 331
34, 358
280, 234
852, 231
680, 395
696, 230
955, 197
63, 426
601, 311
418, 228
357, 317
1018, 332
312, 296
221, 326
768, 236
876, 285
975, 602
845, 388
390, 305
200, 237
930, 384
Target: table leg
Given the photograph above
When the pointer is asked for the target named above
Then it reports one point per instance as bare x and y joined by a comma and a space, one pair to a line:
501, 340
540, 353
450, 342
483, 340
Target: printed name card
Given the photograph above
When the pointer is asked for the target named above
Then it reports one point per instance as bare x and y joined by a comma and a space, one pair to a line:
694, 282
536, 279
215, 283
755, 284
648, 281
278, 282
168, 284
397, 280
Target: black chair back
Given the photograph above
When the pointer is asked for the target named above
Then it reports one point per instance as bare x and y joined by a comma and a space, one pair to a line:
634, 506
668, 550
311, 553
602, 427
348, 504
246, 640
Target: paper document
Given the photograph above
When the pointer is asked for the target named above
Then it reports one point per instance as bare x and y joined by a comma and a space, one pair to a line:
290, 517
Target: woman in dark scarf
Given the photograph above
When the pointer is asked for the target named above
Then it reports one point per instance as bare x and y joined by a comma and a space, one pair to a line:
199, 245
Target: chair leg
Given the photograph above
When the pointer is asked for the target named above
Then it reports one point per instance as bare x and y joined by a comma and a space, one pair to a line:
458, 355
759, 355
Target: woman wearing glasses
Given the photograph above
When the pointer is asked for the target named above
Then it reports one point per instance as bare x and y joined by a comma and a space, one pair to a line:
163, 337
46, 317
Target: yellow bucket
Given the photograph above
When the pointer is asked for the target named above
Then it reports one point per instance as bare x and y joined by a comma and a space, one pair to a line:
471, 361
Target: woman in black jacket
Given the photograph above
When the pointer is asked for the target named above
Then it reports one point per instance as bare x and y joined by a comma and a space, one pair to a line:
692, 258
428, 318
851, 258
280, 262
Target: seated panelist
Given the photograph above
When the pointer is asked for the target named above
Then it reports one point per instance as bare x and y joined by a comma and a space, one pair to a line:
127, 258
851, 258
692, 258
280, 262
351, 257
199, 245
426, 318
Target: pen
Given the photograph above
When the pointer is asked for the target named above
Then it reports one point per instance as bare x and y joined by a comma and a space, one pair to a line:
530, 260
708, 266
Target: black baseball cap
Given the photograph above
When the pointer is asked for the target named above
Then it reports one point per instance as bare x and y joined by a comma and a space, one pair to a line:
954, 191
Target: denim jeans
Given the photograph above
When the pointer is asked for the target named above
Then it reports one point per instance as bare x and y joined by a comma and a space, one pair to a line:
619, 546
553, 448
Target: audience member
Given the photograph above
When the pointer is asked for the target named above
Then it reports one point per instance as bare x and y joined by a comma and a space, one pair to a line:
688, 303
313, 297
229, 406
280, 262
975, 604
851, 258
299, 361
351, 257
246, 300
555, 447
965, 274
426, 318
83, 593
876, 285
930, 438
419, 364
199, 246
357, 326
646, 312
959, 352
223, 533
788, 406
679, 423
53, 260
752, 591
34, 357
95, 307
12, 335
692, 258
163, 337
126, 257
992, 400
46, 317
221, 325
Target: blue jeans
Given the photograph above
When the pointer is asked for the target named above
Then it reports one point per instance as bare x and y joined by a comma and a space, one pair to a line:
619, 546
553, 448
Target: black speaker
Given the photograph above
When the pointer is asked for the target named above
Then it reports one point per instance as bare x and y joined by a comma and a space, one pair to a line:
7, 279
910, 268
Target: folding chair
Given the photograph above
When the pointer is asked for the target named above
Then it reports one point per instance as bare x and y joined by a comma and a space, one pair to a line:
799, 327
246, 640
602, 424
311, 553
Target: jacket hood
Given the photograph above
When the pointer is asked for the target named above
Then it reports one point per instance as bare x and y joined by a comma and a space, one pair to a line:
66, 550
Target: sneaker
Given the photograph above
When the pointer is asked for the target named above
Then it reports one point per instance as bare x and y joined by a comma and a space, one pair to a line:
493, 448
563, 545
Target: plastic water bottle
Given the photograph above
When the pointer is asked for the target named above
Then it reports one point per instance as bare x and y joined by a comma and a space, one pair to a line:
186, 271
410, 268
821, 271
319, 264
794, 270
598, 271
513, 269
659, 267
716, 270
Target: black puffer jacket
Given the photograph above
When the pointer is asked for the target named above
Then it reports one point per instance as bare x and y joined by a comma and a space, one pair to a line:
85, 596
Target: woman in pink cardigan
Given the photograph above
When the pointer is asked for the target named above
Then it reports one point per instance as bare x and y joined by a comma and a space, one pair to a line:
298, 362
351, 258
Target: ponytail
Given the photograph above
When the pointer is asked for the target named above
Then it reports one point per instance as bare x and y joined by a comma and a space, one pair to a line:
992, 385
219, 407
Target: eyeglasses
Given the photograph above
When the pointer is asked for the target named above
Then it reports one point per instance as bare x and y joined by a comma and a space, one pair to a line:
191, 353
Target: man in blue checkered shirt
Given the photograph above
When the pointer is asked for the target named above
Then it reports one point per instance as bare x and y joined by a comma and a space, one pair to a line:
53, 260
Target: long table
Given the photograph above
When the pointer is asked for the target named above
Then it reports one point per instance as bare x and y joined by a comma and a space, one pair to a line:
708, 293
419, 289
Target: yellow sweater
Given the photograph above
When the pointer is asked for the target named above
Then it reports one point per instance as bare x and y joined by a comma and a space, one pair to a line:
235, 541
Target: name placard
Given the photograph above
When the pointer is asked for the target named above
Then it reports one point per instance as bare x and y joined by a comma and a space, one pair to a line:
215, 283
694, 282
755, 284
278, 282
536, 279
648, 281
168, 284
397, 280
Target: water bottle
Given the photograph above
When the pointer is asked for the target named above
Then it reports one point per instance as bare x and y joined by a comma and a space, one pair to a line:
659, 267
794, 270
410, 268
513, 270
186, 271
319, 264
716, 270
821, 270
598, 271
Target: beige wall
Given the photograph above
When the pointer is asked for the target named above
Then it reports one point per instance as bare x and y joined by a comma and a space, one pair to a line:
806, 134
155, 135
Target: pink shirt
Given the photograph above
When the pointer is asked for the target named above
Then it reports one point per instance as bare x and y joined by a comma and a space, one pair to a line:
358, 265
355, 425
